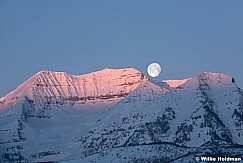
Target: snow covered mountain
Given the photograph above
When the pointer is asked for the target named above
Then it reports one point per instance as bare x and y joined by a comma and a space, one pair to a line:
121, 116
205, 110
60, 87
40, 106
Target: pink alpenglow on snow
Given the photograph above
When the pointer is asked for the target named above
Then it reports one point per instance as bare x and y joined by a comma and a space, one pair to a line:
176, 83
61, 86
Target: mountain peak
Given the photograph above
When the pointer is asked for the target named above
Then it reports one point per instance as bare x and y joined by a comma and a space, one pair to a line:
208, 77
61, 85
214, 77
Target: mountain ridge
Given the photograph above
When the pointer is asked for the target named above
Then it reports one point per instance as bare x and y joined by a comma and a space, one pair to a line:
64, 85
139, 115
19, 90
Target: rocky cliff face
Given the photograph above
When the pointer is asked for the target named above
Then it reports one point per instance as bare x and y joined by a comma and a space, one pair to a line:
120, 114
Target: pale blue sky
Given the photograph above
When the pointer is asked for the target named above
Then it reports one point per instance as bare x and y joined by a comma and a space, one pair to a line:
185, 37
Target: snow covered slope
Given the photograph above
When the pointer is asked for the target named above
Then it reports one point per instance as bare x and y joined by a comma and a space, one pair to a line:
55, 105
207, 109
121, 116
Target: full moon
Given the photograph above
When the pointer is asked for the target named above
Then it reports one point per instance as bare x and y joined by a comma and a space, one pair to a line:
154, 70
